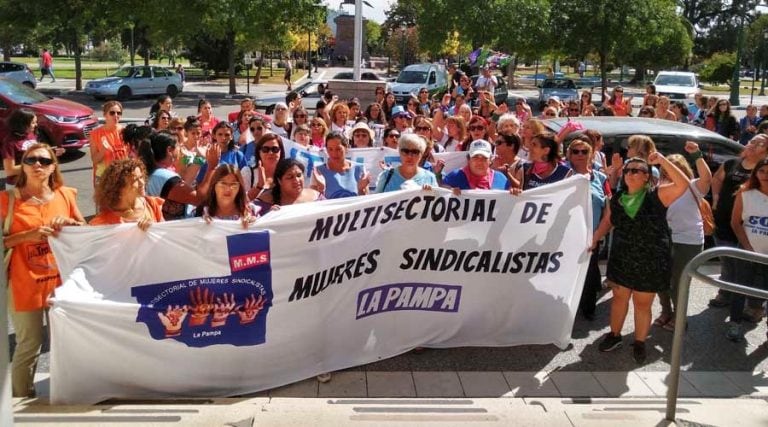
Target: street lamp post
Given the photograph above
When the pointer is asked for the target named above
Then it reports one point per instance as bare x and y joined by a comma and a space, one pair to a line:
403, 28
734, 98
133, 51
309, 54
764, 63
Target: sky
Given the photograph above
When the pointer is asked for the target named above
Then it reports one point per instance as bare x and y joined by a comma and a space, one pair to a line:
377, 13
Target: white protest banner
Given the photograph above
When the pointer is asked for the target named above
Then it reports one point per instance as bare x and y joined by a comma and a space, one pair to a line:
194, 309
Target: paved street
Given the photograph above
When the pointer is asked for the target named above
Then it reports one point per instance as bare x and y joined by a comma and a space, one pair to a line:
714, 365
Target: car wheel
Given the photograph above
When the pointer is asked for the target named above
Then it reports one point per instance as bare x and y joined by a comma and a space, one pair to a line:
172, 91
270, 110
124, 93
29, 85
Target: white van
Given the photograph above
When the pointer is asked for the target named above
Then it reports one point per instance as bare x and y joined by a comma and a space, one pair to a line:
677, 85
417, 76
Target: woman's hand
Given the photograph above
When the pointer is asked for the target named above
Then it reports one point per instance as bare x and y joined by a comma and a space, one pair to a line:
691, 147
145, 222
247, 220
39, 234
426, 187
213, 156
515, 191
656, 158
58, 222
363, 183
318, 181
438, 166
456, 191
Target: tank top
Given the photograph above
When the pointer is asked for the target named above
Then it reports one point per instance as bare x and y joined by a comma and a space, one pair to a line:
755, 216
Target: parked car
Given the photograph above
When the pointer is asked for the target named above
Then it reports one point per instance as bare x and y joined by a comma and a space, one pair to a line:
59, 122
668, 136
677, 85
139, 80
500, 94
19, 72
417, 76
565, 89
308, 92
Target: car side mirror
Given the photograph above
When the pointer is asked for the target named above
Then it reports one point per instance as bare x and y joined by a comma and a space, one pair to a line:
303, 93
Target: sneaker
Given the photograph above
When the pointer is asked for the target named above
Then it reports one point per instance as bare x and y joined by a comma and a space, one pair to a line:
720, 301
638, 352
324, 378
610, 342
753, 315
734, 332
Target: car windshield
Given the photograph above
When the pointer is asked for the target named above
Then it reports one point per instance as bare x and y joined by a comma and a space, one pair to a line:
412, 77
343, 76
20, 94
559, 84
670, 80
123, 72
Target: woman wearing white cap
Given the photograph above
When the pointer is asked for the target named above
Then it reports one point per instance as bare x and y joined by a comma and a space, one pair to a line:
477, 174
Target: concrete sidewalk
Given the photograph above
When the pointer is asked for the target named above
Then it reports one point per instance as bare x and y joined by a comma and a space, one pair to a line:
412, 398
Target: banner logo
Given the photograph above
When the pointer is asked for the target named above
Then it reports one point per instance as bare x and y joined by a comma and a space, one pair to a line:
214, 310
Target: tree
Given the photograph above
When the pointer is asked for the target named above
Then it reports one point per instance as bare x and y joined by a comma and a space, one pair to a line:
373, 39
718, 69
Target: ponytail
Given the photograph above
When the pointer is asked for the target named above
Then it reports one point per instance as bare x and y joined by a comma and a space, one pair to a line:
155, 149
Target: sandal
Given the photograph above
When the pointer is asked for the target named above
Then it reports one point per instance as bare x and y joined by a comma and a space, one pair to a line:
662, 320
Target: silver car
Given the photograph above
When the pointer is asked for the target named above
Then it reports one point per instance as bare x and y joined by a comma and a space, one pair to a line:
308, 91
139, 80
19, 72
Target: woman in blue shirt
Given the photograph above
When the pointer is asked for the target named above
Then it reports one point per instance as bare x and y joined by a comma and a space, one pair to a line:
411, 147
339, 177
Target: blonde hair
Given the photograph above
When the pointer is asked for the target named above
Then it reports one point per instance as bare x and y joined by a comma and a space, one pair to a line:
642, 144
682, 164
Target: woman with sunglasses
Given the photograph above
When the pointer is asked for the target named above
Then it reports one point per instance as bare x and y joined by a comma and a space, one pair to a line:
161, 120
318, 131
227, 199
543, 166
338, 177
639, 262
505, 159
476, 129
121, 196
205, 116
106, 141
300, 117
159, 155
722, 120
424, 106
262, 161
40, 206
621, 106
22, 127
424, 127
411, 148
581, 160
390, 138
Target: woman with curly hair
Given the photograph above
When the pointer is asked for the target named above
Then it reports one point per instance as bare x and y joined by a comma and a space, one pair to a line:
121, 197
722, 120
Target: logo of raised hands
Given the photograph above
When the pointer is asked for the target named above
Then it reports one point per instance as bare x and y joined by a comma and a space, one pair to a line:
172, 319
248, 311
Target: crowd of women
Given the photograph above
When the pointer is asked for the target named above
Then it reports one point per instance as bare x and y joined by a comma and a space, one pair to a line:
237, 169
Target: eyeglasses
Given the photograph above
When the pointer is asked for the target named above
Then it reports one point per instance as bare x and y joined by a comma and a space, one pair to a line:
586, 96
410, 152
471, 128
422, 91
393, 135
423, 129
230, 185
619, 91
315, 125
44, 161
115, 113
550, 114
257, 129
273, 150
577, 152
635, 171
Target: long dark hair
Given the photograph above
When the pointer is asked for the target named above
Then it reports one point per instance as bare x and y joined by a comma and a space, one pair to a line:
282, 167
222, 124
155, 108
265, 139
548, 140
19, 120
222, 171
134, 134
155, 149
753, 183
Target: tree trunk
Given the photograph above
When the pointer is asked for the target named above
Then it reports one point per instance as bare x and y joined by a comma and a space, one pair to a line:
257, 77
146, 56
511, 67
7, 52
640, 74
231, 62
78, 63
603, 75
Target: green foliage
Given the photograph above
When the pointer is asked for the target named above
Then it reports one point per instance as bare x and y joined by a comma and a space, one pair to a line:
109, 51
718, 69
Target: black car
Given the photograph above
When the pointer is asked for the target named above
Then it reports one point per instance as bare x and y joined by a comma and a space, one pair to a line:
367, 75
669, 136
500, 93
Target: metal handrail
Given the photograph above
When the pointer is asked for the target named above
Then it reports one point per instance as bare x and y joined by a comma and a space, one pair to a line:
691, 270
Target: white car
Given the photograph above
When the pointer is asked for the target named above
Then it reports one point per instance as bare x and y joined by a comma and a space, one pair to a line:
19, 72
139, 80
677, 85
307, 91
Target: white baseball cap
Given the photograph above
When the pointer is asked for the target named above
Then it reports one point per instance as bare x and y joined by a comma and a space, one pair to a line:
480, 147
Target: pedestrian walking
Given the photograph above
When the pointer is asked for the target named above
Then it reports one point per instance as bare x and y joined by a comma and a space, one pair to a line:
46, 65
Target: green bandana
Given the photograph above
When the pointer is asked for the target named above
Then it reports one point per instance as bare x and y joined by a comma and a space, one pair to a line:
632, 202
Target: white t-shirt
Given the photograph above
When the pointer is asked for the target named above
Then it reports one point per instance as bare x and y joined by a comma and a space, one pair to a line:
684, 218
755, 216
487, 83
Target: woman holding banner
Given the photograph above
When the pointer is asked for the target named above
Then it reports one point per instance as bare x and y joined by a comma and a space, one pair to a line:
477, 174
543, 166
339, 177
288, 188
38, 208
640, 258
227, 199
121, 196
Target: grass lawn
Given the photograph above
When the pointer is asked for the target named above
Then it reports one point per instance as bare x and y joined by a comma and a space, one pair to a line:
64, 68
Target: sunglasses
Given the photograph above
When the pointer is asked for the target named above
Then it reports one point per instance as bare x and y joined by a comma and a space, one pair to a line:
273, 150
315, 125
115, 113
550, 114
393, 135
257, 129
410, 152
635, 171
423, 129
44, 161
619, 91
577, 152
476, 128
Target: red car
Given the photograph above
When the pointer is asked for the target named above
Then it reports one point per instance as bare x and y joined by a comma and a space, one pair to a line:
60, 123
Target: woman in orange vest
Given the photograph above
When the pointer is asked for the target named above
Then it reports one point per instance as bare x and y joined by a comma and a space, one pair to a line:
121, 196
107, 140
35, 210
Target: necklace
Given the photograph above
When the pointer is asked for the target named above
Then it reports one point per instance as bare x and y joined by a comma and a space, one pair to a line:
43, 199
